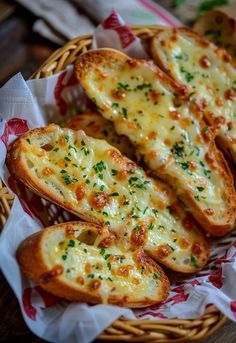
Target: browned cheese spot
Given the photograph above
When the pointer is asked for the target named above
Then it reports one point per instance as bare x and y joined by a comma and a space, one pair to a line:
95, 284
204, 62
80, 280
80, 192
47, 171
209, 211
56, 271
99, 200
163, 251
197, 248
184, 243
139, 236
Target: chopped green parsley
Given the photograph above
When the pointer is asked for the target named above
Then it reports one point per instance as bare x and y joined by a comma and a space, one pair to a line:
100, 166
71, 243
194, 261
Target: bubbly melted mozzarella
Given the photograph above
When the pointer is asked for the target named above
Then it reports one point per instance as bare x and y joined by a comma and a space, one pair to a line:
108, 271
209, 74
169, 137
94, 125
94, 180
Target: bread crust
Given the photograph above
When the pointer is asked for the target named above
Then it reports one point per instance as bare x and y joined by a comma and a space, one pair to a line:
114, 59
33, 263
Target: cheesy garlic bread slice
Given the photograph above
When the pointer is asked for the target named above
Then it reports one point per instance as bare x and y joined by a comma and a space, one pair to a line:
219, 28
66, 261
148, 107
94, 125
90, 178
209, 74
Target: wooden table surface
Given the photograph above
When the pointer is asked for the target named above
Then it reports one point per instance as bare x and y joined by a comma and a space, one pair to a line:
20, 48
24, 51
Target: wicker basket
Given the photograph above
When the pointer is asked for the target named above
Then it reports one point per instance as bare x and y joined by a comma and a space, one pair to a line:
170, 330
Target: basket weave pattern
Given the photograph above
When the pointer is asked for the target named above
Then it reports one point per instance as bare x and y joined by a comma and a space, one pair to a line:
169, 330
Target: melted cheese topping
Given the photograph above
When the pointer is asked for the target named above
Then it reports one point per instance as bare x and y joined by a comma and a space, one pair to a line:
108, 272
218, 31
210, 76
96, 126
95, 181
169, 137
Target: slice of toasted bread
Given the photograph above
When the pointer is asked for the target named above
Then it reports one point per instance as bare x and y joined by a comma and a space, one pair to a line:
65, 260
94, 125
209, 74
174, 141
92, 179
219, 27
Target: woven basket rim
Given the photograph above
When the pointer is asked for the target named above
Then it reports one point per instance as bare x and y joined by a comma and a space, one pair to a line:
147, 330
